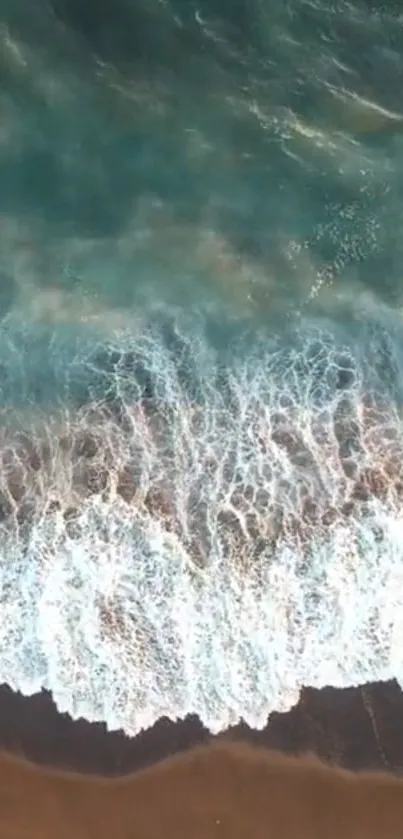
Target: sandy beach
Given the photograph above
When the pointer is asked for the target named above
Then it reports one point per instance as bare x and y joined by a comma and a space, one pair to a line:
219, 790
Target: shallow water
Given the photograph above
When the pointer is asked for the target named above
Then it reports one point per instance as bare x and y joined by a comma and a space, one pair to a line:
201, 354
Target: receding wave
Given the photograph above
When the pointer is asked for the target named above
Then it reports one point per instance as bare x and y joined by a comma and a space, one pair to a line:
194, 525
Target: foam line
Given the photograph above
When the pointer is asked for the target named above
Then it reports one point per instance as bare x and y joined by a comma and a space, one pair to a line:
212, 528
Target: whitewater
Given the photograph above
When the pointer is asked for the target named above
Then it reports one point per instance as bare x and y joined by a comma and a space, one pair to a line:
201, 354
192, 525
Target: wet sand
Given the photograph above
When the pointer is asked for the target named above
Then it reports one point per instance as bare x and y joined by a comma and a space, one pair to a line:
358, 728
229, 792
175, 779
219, 790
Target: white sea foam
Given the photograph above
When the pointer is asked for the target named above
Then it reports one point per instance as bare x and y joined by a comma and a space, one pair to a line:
214, 530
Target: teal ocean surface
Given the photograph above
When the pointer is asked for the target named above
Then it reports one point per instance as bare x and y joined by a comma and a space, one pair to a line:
201, 353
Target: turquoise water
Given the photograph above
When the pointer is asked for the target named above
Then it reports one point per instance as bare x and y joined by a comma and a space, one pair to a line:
201, 354
200, 155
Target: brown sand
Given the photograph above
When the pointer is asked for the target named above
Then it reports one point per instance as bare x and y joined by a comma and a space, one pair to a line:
219, 790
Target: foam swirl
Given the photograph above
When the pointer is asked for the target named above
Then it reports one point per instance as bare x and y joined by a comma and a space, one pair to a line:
195, 528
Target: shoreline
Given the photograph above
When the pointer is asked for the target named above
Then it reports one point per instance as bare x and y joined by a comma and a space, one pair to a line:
357, 728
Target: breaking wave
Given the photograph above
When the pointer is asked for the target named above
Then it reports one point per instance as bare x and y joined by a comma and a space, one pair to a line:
200, 525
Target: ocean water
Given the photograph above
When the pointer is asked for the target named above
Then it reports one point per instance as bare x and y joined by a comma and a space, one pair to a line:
201, 354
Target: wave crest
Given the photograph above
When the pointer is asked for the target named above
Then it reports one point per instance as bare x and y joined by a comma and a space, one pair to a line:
209, 530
